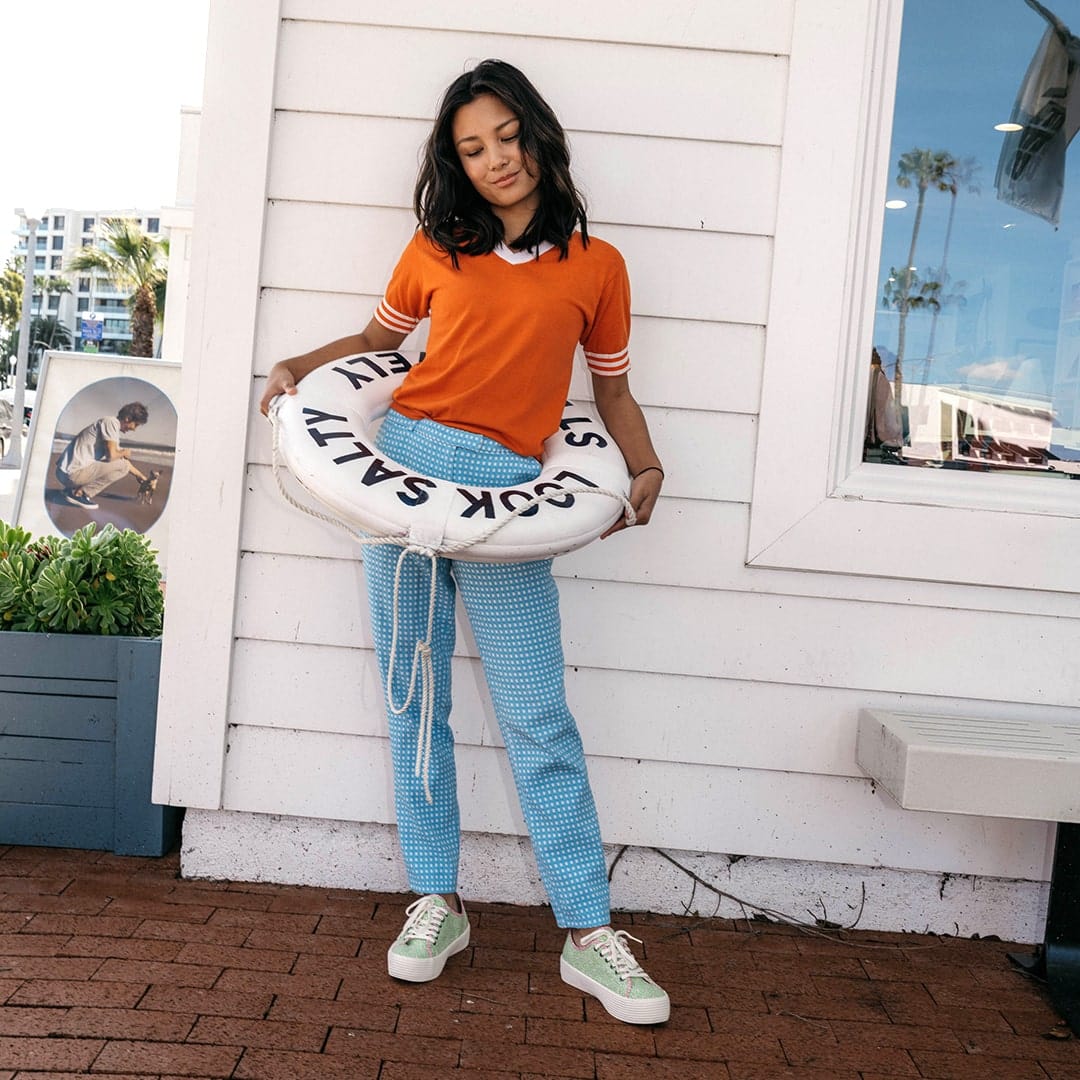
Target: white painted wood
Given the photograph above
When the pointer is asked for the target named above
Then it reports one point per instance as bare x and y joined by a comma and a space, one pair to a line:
336, 854
668, 552
784, 815
706, 721
1018, 768
685, 631
354, 249
675, 362
219, 337
710, 455
627, 89
670, 183
724, 24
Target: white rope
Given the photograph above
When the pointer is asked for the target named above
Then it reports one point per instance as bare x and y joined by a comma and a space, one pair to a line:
422, 663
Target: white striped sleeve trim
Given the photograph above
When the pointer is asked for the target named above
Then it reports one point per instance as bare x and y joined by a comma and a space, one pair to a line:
395, 320
608, 363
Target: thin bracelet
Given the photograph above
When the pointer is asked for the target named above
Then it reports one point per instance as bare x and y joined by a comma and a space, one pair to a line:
650, 468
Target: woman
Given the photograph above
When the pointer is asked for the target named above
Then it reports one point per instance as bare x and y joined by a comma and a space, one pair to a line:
503, 265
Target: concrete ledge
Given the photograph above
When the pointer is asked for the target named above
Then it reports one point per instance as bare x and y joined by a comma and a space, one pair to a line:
968, 765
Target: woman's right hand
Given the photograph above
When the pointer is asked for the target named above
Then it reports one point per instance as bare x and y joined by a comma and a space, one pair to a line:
280, 381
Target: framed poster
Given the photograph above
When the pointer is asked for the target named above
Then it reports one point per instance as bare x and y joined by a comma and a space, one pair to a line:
101, 446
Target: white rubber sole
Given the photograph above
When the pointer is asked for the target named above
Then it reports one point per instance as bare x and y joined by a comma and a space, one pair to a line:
424, 968
628, 1010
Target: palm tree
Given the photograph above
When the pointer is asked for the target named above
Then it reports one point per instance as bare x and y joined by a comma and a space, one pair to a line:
46, 332
959, 174
132, 260
924, 169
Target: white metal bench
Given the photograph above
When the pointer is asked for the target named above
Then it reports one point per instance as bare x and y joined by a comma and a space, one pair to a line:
994, 768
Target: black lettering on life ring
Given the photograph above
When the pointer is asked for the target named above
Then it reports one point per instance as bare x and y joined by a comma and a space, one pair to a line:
566, 474
317, 416
323, 437
378, 473
482, 501
564, 503
505, 499
574, 439
418, 498
398, 364
361, 452
357, 378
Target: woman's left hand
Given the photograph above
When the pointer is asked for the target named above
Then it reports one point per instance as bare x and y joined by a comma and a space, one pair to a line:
644, 491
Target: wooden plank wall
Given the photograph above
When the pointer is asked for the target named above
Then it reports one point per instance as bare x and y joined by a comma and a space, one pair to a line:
717, 704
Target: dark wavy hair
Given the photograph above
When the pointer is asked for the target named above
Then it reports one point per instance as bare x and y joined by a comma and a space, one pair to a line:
133, 412
450, 210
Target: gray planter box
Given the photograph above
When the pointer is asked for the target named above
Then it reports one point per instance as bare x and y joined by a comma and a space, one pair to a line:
78, 714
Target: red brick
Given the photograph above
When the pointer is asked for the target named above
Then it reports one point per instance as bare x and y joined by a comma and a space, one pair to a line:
355, 967
910, 1036
28, 1020
311, 944
524, 1004
154, 1058
130, 905
613, 1067
821, 1007
27, 944
370, 1044
254, 982
1040, 1018
893, 1060
302, 903
227, 956
284, 1065
204, 933
126, 1024
488, 983
1031, 1047
386, 991
557, 1061
268, 1034
60, 1054
55, 992
149, 971
352, 1014
982, 997
403, 1070
346, 926
439, 1024
508, 959
11, 922
695, 1046
22, 1074
206, 1002
938, 1016
97, 925
265, 920
742, 1070
939, 1066
33, 885
613, 1038
217, 898
7, 988
47, 967
122, 948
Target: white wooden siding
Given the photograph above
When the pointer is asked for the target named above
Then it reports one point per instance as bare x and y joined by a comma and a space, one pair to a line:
717, 701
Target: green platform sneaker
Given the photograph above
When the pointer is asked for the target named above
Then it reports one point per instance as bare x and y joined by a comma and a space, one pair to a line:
604, 966
431, 935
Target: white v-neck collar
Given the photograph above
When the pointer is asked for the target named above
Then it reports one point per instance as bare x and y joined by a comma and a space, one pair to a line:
516, 258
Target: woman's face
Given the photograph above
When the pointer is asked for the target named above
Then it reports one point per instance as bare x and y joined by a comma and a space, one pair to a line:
486, 135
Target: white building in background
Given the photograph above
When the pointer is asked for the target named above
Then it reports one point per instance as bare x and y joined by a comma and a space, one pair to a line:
63, 232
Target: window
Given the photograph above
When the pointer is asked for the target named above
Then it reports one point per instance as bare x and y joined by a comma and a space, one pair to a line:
54, 302
977, 326
87, 241
39, 262
87, 224
83, 303
58, 243
58, 221
153, 224
84, 284
41, 242
56, 262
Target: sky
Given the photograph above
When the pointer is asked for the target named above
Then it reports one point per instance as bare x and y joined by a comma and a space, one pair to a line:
961, 65
93, 95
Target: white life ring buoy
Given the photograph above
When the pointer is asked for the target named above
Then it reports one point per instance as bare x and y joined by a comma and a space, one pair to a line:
325, 433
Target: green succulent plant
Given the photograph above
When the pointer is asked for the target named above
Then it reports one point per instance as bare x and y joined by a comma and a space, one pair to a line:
98, 581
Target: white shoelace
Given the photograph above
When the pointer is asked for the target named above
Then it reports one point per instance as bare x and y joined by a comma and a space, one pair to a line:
613, 946
425, 918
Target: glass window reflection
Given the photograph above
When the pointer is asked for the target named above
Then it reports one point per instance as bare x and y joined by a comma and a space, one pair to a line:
976, 346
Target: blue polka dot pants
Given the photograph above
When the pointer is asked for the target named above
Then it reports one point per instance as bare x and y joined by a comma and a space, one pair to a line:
513, 609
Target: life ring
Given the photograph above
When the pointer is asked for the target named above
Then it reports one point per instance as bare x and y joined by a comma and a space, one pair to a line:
325, 434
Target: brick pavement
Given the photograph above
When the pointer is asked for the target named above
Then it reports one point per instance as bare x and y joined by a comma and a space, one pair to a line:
115, 968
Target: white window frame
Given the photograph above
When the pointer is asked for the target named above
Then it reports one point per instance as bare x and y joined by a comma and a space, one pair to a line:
815, 504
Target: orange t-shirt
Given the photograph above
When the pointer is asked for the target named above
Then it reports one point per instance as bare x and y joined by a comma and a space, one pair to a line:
503, 332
